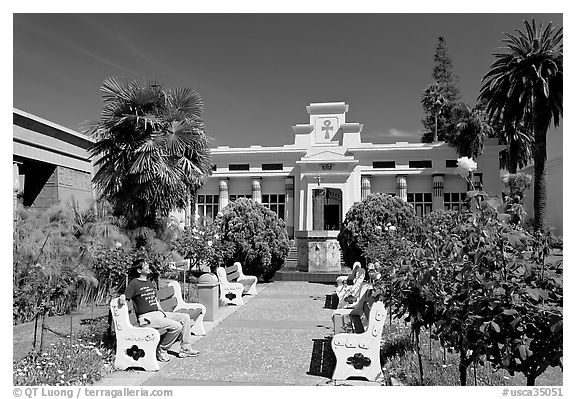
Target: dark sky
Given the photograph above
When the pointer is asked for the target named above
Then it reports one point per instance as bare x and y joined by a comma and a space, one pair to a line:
257, 72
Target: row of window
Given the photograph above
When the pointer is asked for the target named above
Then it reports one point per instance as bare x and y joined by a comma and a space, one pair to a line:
422, 164
207, 205
245, 166
422, 202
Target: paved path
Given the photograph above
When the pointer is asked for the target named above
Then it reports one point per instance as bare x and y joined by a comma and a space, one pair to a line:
268, 341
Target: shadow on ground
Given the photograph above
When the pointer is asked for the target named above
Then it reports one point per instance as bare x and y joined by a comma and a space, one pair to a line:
322, 361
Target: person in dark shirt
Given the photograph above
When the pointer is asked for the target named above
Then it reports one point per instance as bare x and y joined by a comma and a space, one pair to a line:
149, 313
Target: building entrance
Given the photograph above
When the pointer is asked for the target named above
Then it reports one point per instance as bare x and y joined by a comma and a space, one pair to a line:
327, 208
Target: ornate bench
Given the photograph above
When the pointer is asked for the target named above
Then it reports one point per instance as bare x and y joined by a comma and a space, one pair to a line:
343, 280
344, 318
230, 293
234, 274
358, 355
344, 292
135, 345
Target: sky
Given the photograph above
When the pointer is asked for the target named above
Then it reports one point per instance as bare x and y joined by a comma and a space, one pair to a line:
256, 73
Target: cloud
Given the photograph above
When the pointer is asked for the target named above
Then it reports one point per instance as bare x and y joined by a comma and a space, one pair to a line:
392, 134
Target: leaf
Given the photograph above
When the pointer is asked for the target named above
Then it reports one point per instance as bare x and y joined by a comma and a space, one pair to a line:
522, 352
510, 312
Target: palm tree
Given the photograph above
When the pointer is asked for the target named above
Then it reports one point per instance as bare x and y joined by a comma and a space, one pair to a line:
519, 146
434, 98
470, 131
524, 84
151, 149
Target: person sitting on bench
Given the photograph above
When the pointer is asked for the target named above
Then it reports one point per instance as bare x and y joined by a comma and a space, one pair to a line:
149, 313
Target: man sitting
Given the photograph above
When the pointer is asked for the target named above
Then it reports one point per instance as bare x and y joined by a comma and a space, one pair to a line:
149, 313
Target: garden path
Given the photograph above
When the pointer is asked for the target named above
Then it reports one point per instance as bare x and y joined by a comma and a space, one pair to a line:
268, 341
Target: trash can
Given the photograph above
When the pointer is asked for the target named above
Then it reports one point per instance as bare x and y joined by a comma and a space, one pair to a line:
208, 294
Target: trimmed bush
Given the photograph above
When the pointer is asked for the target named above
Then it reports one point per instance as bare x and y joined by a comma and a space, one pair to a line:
366, 220
253, 235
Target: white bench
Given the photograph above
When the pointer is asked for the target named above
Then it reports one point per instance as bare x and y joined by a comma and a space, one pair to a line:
230, 293
341, 280
358, 355
343, 318
345, 291
136, 346
234, 274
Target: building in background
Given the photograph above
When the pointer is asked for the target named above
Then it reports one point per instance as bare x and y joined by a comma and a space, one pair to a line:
50, 163
312, 183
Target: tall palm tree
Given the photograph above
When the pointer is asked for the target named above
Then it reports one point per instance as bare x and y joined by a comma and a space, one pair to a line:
434, 99
151, 149
524, 84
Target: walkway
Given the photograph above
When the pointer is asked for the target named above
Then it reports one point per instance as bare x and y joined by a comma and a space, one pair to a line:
268, 341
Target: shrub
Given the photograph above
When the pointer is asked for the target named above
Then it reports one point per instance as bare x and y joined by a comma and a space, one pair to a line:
253, 235
365, 221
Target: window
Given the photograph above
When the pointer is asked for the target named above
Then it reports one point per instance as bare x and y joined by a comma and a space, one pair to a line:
451, 163
207, 207
243, 166
422, 202
453, 201
383, 164
419, 164
272, 166
234, 197
275, 202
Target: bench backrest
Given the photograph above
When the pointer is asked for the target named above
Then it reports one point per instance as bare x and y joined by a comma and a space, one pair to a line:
167, 300
221, 273
355, 289
376, 319
233, 272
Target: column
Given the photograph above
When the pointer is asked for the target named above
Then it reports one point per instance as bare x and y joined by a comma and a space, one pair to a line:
256, 190
437, 192
222, 194
289, 205
401, 188
366, 187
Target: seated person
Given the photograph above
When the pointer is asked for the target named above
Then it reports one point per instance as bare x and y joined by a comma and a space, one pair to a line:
149, 313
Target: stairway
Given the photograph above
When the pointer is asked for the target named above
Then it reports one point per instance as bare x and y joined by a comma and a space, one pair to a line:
292, 259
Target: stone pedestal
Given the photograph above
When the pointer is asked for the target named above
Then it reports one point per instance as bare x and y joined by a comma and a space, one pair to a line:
318, 251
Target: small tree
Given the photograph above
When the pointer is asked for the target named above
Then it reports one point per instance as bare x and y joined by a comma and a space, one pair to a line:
253, 235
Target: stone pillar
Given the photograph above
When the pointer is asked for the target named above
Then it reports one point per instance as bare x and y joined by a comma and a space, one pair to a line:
256, 190
222, 194
289, 205
401, 188
437, 192
318, 201
366, 187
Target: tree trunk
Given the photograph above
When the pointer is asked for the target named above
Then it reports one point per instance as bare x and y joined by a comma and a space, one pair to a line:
435, 127
540, 130
513, 157
463, 366
417, 337
530, 380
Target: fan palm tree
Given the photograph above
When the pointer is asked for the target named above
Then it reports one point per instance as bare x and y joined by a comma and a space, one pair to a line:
524, 84
151, 149
435, 99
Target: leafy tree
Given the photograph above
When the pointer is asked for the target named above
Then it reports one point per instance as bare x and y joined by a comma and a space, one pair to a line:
253, 235
436, 120
524, 84
151, 149
471, 130
366, 220
518, 140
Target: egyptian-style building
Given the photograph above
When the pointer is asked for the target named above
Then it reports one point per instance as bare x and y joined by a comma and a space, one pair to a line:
312, 183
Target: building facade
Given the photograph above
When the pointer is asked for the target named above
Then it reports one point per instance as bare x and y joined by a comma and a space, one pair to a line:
50, 163
313, 182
